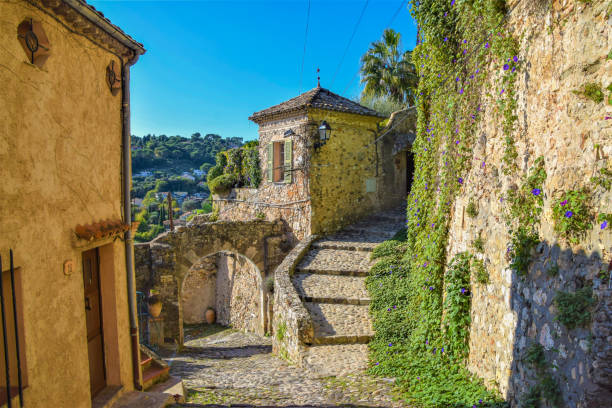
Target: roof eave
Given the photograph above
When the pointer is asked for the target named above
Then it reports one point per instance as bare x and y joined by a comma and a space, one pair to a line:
86, 11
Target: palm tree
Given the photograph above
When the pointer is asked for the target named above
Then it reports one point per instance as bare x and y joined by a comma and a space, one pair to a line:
387, 72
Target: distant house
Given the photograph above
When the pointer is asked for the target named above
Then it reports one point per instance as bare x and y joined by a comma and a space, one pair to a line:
144, 173
187, 176
199, 173
137, 202
179, 196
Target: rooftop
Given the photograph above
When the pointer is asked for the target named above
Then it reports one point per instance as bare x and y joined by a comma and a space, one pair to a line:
316, 98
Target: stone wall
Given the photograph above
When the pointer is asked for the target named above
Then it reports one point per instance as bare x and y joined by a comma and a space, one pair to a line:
341, 169
191, 269
562, 48
288, 202
292, 325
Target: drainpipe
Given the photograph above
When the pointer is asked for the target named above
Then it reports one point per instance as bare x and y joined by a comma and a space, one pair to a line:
127, 216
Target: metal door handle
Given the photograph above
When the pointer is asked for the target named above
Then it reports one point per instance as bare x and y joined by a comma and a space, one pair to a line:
87, 307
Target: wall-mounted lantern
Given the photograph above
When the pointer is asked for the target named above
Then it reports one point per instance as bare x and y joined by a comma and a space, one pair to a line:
34, 41
324, 134
289, 133
113, 77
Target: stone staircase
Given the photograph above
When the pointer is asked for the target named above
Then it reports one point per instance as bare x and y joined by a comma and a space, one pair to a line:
330, 281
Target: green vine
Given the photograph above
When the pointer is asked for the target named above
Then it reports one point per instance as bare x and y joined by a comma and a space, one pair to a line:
574, 309
420, 314
572, 215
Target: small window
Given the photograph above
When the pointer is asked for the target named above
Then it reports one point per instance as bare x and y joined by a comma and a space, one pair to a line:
280, 161
14, 334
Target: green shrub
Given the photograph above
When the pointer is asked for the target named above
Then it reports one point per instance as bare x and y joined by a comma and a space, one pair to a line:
574, 309
553, 270
523, 241
604, 180
534, 356
572, 215
223, 183
591, 91
478, 244
472, 209
482, 275
281, 331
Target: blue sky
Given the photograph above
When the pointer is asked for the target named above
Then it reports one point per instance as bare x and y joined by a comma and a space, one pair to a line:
210, 64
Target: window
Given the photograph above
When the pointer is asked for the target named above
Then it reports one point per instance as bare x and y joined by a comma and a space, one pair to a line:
12, 338
280, 158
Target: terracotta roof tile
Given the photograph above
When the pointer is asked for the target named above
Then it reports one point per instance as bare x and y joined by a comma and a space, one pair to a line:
316, 98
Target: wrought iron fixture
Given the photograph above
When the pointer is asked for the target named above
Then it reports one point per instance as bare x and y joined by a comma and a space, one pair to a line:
289, 133
34, 41
324, 134
112, 79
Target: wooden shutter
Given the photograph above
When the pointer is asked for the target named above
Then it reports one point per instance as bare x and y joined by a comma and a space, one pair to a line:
288, 160
270, 160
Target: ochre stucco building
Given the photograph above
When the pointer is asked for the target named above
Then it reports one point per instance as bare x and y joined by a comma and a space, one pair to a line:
64, 171
363, 167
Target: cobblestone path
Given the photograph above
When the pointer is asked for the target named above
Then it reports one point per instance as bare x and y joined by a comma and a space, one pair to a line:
331, 283
222, 367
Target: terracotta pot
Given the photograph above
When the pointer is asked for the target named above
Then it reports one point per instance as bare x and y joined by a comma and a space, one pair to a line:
210, 316
155, 309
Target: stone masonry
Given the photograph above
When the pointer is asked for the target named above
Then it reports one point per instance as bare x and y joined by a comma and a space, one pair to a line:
563, 45
334, 327
218, 264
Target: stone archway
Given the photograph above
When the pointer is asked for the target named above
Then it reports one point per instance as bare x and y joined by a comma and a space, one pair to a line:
232, 285
164, 263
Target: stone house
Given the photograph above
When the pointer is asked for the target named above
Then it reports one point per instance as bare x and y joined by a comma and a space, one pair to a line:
65, 206
317, 187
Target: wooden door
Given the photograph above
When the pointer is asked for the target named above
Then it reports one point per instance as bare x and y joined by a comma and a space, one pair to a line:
93, 313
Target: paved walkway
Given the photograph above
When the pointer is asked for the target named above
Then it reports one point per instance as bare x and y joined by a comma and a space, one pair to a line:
331, 283
222, 367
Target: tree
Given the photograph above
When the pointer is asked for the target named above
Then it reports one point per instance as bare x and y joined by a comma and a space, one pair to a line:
386, 72
189, 205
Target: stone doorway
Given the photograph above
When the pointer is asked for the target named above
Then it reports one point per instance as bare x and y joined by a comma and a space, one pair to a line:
232, 285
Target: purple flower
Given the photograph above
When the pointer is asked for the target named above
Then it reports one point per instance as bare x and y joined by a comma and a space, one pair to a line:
515, 58
442, 350
445, 38
465, 41
418, 378
487, 45
389, 309
460, 180
453, 3
431, 288
604, 224
376, 363
462, 290
480, 401
506, 67
461, 91
563, 203
456, 142
568, 214
502, 91
390, 344
426, 341
536, 191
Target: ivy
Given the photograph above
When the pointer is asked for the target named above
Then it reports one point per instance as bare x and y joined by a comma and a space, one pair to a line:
522, 241
420, 315
572, 215
482, 276
574, 309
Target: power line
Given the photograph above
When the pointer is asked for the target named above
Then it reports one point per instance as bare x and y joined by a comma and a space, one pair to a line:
304, 53
349, 43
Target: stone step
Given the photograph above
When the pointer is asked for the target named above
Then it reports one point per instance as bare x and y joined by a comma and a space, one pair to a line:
339, 289
322, 260
349, 243
339, 339
340, 321
336, 360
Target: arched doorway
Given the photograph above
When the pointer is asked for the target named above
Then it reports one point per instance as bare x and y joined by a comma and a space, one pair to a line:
232, 285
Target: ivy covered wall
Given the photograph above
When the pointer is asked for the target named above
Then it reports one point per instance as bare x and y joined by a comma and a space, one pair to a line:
507, 233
